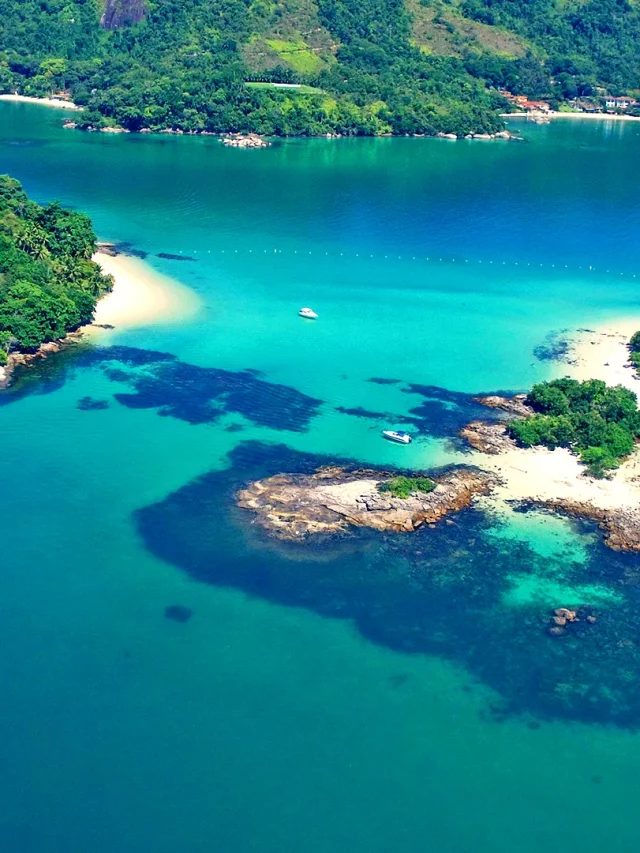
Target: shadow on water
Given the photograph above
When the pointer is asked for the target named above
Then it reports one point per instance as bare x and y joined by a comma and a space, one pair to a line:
438, 591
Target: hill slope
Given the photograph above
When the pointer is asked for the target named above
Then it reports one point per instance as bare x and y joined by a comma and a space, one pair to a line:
401, 66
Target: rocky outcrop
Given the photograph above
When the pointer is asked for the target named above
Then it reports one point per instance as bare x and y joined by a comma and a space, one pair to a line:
565, 619
122, 13
294, 506
620, 525
22, 359
249, 140
487, 438
515, 406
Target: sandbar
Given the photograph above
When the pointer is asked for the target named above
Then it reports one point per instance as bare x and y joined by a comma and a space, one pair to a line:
141, 296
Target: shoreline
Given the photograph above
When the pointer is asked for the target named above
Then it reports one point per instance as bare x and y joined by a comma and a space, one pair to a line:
57, 103
592, 116
140, 297
556, 479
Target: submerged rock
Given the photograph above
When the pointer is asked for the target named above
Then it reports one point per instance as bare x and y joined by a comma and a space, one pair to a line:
293, 506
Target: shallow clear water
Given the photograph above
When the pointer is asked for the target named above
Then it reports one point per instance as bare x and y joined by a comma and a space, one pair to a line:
384, 694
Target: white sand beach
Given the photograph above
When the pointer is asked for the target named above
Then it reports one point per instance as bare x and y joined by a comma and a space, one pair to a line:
47, 102
540, 474
141, 296
602, 353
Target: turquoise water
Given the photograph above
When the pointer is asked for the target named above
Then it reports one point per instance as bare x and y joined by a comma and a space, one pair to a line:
381, 695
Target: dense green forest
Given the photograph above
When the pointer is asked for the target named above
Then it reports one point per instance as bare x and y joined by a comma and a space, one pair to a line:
599, 422
48, 283
368, 66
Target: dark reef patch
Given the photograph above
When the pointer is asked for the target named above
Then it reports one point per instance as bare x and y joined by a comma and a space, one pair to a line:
200, 395
556, 347
386, 417
440, 591
167, 256
89, 404
380, 380
178, 613
159, 380
127, 249
443, 413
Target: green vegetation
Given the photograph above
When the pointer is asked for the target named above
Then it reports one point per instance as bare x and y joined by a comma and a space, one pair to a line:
599, 422
48, 283
297, 54
634, 351
402, 487
387, 66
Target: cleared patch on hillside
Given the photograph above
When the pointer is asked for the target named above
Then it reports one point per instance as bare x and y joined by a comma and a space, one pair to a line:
440, 30
288, 88
287, 32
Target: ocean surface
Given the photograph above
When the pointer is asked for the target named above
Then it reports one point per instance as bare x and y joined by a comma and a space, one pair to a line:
173, 681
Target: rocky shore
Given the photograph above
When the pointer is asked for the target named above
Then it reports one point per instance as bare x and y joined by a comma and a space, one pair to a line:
18, 359
555, 480
501, 134
294, 506
620, 526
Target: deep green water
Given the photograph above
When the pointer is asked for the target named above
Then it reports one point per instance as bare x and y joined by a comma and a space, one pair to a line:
385, 693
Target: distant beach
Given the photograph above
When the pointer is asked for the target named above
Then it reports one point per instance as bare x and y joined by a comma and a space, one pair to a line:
141, 296
595, 116
47, 102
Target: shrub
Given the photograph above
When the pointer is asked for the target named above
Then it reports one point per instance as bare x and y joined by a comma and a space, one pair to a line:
402, 487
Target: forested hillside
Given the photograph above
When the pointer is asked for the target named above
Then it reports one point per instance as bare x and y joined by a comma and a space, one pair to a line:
48, 283
367, 66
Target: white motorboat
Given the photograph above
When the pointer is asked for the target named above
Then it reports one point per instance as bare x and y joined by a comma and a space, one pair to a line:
399, 437
308, 314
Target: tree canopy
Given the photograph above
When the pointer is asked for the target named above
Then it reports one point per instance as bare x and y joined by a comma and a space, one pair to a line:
597, 421
48, 283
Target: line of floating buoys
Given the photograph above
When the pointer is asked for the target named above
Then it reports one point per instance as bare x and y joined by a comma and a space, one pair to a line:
429, 259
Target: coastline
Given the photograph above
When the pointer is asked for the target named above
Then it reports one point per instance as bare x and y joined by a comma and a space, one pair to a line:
556, 479
57, 103
602, 353
140, 297
592, 116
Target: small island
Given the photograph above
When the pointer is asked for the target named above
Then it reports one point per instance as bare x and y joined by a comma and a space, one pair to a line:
49, 284
294, 506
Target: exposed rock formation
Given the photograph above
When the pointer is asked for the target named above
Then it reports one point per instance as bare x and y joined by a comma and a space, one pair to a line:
122, 13
487, 438
249, 140
292, 506
515, 406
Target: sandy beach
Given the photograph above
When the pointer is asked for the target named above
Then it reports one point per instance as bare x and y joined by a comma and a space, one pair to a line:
141, 296
47, 102
539, 474
602, 353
